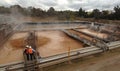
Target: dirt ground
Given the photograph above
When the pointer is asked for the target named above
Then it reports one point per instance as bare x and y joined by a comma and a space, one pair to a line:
109, 61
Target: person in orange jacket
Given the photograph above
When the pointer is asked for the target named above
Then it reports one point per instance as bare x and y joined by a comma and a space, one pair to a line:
29, 52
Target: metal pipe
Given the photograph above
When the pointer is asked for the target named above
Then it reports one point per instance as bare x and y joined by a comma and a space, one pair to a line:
44, 62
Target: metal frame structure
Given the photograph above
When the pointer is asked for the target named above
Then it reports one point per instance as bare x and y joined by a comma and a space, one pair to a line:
51, 60
98, 43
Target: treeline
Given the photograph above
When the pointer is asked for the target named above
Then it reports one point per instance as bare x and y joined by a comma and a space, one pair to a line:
69, 15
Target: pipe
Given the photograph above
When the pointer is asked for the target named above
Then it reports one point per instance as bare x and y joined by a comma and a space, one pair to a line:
44, 62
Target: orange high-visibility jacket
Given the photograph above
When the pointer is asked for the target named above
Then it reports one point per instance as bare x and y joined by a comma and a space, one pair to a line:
29, 51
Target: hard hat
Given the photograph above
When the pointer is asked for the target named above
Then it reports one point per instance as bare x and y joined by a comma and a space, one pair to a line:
27, 46
30, 47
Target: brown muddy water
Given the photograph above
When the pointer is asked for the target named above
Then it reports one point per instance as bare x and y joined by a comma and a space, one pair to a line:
49, 43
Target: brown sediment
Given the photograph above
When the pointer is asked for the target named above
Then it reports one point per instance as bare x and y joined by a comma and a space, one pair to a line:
21, 42
49, 43
42, 41
59, 43
94, 33
19, 35
8, 53
81, 35
18, 43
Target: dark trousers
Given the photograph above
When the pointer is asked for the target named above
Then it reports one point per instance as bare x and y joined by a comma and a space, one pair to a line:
30, 56
27, 57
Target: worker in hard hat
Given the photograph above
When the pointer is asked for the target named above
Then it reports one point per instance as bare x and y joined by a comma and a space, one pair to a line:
25, 51
29, 52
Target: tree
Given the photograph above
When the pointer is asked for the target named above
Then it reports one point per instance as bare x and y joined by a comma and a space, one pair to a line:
117, 12
96, 13
82, 13
16, 10
104, 14
51, 11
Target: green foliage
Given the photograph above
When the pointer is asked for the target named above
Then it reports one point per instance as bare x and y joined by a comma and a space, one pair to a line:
117, 12
82, 13
96, 14
62, 15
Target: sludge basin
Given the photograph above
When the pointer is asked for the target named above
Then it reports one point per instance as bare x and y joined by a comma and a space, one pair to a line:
49, 43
